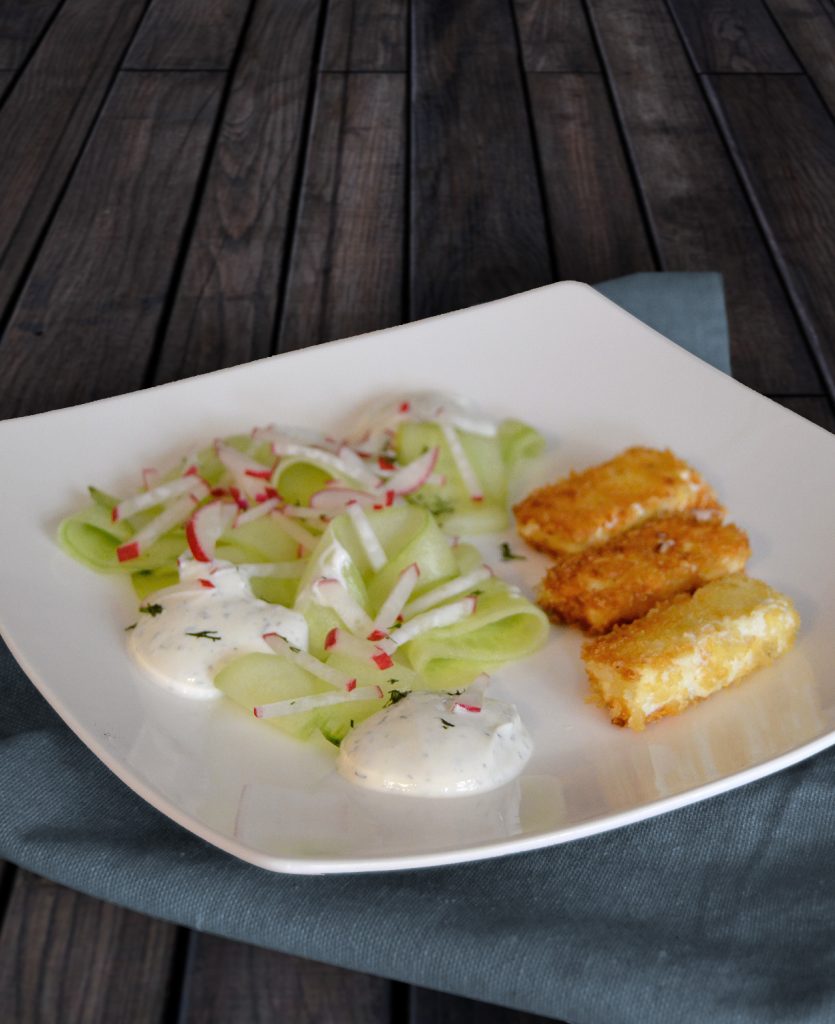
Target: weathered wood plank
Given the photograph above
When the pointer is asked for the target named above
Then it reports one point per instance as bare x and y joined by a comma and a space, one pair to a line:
225, 307
85, 324
428, 1007
366, 35
732, 36
555, 36
812, 407
21, 23
46, 118
188, 35
346, 274
700, 217
810, 29
477, 218
783, 141
593, 209
66, 957
231, 981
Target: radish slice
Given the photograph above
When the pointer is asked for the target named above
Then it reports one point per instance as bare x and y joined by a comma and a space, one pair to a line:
335, 499
295, 530
309, 663
412, 477
251, 514
291, 435
325, 459
156, 496
334, 594
298, 705
462, 463
341, 641
360, 472
302, 512
446, 615
445, 591
472, 699
247, 474
176, 513
397, 597
367, 537
204, 528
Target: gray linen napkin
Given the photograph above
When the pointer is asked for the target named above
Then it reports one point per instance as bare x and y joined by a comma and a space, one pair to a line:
720, 912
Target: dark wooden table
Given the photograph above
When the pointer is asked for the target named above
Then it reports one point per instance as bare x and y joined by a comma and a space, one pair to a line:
189, 184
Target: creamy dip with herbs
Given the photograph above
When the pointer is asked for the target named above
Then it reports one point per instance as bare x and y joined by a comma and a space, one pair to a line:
428, 744
187, 633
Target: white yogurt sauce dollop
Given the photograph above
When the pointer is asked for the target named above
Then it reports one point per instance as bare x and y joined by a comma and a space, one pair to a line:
426, 746
199, 629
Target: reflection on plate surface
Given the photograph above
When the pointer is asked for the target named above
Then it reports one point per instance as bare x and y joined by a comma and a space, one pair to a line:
594, 380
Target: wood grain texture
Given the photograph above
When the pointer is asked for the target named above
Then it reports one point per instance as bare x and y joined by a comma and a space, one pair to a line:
810, 29
225, 307
428, 1007
811, 407
69, 958
366, 35
21, 23
232, 982
783, 141
188, 35
732, 36
477, 218
593, 209
85, 323
346, 273
46, 118
555, 36
699, 214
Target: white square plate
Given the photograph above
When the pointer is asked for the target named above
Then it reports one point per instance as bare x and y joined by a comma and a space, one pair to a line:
594, 380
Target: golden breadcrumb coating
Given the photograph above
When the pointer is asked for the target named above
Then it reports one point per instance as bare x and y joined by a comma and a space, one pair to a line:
622, 579
689, 648
603, 501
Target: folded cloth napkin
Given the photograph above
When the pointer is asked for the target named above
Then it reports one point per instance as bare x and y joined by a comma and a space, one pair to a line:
719, 912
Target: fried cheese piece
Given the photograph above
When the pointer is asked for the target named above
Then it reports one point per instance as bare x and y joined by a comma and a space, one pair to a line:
622, 579
689, 648
603, 501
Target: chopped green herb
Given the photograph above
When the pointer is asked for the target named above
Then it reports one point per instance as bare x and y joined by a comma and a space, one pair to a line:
295, 650
205, 634
395, 696
508, 555
475, 593
129, 628
352, 723
446, 724
151, 609
143, 572
437, 505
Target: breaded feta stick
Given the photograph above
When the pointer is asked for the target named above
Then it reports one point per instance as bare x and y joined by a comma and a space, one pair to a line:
686, 650
622, 579
603, 501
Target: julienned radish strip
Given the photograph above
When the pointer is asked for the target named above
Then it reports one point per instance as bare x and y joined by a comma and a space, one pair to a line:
472, 699
367, 537
361, 472
292, 435
446, 591
446, 615
281, 570
412, 477
204, 528
323, 459
247, 474
462, 463
298, 705
335, 499
341, 641
263, 509
293, 529
333, 594
309, 663
303, 512
156, 496
397, 597
176, 513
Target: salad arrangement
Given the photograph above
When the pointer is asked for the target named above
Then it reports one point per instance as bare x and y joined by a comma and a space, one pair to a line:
357, 536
